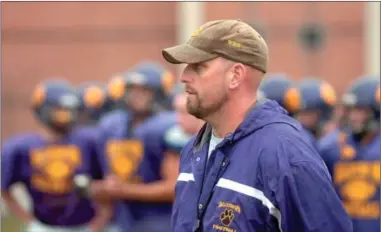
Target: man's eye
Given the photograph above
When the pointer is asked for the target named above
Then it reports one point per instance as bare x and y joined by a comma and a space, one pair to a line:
199, 68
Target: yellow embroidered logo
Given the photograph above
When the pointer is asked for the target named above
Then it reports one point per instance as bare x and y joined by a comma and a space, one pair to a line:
234, 43
229, 205
358, 183
196, 32
227, 216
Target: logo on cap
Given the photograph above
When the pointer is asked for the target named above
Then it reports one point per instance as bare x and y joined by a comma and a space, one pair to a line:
196, 32
234, 43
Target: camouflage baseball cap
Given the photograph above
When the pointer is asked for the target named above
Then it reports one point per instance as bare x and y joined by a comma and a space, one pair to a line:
232, 39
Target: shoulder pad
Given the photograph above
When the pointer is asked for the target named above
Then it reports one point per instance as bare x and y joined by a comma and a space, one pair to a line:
176, 137
113, 119
329, 140
22, 140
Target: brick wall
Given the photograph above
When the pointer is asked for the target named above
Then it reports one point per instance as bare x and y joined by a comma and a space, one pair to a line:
92, 40
341, 57
76, 40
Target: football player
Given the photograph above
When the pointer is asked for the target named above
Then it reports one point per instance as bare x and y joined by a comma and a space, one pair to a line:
46, 164
163, 137
352, 154
94, 102
318, 105
280, 88
131, 158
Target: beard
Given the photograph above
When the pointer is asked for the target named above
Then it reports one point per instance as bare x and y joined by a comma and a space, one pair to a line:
197, 108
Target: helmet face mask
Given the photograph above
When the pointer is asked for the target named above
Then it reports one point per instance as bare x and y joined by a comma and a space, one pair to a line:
160, 80
362, 107
139, 98
144, 89
60, 115
318, 103
61, 119
57, 106
309, 119
360, 121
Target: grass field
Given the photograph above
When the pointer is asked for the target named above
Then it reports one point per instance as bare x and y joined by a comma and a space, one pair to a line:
10, 223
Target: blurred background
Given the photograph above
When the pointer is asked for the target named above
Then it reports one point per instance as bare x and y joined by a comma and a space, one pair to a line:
81, 41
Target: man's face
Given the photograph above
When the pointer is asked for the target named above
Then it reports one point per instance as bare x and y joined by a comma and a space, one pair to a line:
61, 116
187, 122
308, 118
139, 98
357, 117
206, 86
62, 119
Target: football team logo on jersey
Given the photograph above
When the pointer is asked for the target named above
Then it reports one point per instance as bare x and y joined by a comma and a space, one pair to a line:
54, 167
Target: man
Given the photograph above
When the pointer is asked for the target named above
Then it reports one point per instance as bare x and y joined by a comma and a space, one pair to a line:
158, 86
249, 168
352, 154
319, 101
163, 138
47, 163
140, 171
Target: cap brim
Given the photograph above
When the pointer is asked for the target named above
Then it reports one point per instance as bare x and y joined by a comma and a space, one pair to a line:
186, 54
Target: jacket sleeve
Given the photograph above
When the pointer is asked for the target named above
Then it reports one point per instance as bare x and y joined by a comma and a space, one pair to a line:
298, 183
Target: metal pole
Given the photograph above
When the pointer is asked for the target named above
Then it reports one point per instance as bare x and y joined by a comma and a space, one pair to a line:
372, 38
190, 16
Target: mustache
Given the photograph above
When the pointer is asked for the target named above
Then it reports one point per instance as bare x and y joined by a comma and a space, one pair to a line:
190, 90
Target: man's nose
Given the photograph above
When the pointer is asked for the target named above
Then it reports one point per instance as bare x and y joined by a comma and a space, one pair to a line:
185, 77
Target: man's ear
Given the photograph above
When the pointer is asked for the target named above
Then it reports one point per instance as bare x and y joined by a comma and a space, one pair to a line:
237, 74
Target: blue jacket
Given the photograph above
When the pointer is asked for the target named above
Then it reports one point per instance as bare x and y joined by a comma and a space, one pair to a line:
266, 176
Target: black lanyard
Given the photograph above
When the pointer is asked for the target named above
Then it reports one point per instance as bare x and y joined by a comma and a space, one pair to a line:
201, 207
